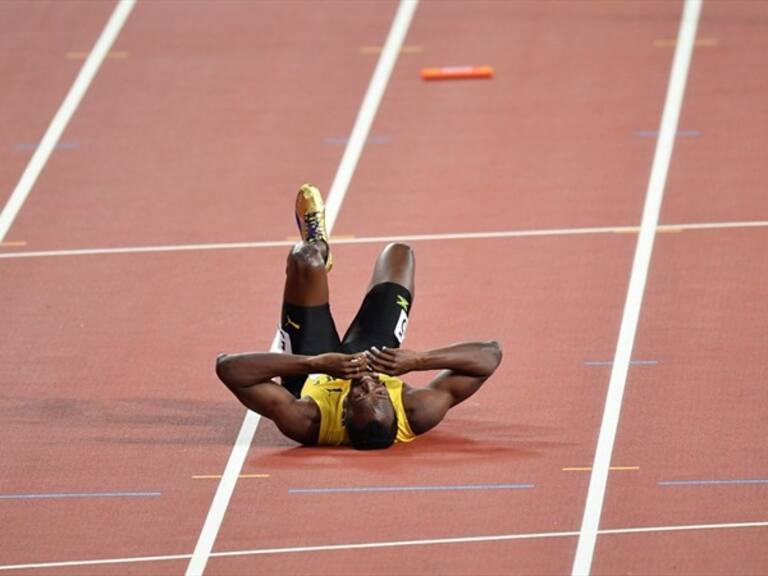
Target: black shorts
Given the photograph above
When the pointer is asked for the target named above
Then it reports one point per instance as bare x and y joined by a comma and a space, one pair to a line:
381, 321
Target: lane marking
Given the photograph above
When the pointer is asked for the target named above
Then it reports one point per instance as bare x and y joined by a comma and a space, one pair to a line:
12, 244
116, 55
661, 229
712, 482
385, 239
338, 190
333, 239
334, 141
631, 362
589, 468
678, 134
406, 49
64, 115
217, 476
610, 422
672, 42
409, 488
226, 487
369, 107
29, 146
388, 544
77, 495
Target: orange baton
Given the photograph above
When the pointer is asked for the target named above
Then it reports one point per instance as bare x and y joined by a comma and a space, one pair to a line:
457, 72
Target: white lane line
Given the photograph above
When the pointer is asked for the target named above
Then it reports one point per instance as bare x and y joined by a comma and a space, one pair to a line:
381, 239
226, 486
369, 107
147, 249
64, 115
387, 544
339, 187
598, 479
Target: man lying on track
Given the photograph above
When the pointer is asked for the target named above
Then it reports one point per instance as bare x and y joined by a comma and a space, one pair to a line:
346, 391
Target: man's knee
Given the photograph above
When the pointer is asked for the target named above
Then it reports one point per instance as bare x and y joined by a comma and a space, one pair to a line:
305, 258
399, 251
395, 264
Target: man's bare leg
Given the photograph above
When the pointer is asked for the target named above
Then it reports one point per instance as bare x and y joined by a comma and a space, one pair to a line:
383, 316
306, 279
307, 326
397, 264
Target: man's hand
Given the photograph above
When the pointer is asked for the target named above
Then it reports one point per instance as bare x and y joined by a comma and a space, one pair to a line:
393, 361
344, 366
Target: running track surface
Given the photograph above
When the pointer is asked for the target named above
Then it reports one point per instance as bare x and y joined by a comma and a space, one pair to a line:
198, 129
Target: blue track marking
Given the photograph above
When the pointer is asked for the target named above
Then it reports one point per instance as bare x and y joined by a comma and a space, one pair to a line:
77, 495
631, 362
410, 488
712, 482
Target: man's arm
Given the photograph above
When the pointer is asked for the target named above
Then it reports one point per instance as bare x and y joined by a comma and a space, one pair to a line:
465, 366
250, 378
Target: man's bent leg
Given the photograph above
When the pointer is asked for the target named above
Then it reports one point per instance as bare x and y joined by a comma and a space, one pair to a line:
383, 317
306, 280
306, 324
396, 264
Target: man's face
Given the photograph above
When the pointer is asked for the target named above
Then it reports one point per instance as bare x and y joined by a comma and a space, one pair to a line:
368, 400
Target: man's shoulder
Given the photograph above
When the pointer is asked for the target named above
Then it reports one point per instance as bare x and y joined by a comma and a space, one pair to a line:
413, 399
308, 407
306, 416
424, 407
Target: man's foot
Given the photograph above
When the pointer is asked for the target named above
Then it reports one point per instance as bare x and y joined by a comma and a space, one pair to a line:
310, 218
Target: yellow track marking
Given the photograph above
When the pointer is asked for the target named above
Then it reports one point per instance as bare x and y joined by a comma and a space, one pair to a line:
12, 244
217, 476
84, 55
406, 49
589, 468
672, 42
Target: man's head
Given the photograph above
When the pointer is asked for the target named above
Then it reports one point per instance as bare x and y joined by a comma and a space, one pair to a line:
369, 415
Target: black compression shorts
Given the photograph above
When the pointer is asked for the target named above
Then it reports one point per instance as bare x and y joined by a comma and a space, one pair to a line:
381, 321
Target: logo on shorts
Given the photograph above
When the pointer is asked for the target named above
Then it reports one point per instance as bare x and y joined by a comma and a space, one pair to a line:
402, 302
284, 341
401, 326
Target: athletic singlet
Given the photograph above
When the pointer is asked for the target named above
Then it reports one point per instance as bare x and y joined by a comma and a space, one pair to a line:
329, 396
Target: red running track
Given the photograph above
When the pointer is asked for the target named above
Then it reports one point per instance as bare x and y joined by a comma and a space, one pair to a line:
202, 133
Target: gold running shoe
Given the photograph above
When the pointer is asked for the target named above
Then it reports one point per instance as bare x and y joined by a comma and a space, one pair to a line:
310, 218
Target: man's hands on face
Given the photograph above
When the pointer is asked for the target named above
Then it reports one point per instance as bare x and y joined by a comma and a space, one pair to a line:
392, 361
344, 366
